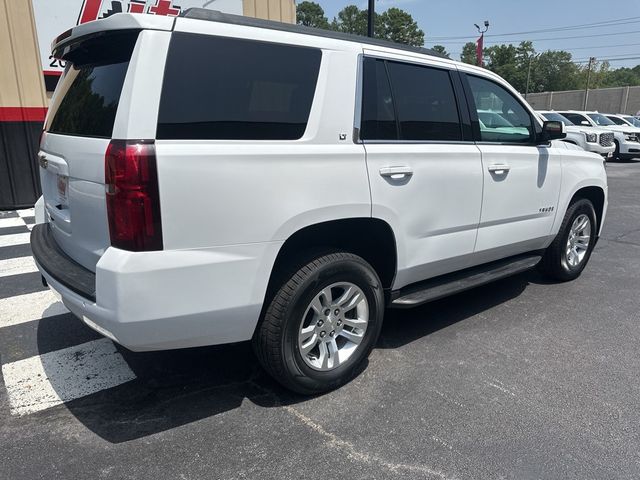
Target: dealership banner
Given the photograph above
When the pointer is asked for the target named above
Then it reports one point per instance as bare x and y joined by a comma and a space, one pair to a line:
55, 17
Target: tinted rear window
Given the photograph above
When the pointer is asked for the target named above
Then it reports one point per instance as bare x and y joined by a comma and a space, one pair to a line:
87, 97
218, 88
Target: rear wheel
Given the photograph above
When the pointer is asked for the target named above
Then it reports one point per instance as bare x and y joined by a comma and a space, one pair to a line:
321, 324
568, 255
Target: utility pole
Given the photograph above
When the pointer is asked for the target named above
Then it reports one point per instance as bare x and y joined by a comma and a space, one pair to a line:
592, 60
371, 13
531, 59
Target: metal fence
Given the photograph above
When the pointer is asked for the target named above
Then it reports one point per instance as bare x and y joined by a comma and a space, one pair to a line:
606, 100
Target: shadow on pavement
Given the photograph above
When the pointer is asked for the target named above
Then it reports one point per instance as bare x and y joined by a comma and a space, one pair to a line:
175, 388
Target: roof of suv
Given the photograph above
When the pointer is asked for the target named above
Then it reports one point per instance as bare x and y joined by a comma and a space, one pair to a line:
216, 16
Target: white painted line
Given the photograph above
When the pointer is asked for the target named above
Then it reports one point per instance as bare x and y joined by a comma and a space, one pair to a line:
11, 222
47, 380
28, 212
15, 239
28, 307
16, 266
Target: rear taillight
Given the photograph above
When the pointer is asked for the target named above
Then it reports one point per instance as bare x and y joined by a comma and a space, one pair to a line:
133, 202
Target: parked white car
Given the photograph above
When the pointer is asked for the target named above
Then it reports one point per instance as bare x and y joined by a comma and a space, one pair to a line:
288, 185
591, 139
624, 120
627, 138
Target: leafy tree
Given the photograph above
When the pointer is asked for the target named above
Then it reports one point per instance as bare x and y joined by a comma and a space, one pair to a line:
469, 54
310, 14
441, 50
394, 25
352, 20
399, 26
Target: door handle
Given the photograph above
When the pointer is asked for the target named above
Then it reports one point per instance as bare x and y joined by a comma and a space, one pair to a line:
499, 169
396, 172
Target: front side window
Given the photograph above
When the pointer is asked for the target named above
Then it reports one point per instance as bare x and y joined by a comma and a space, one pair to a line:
600, 120
501, 116
556, 117
220, 88
577, 119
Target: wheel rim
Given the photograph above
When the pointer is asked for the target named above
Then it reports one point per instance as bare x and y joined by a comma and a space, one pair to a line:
578, 241
333, 326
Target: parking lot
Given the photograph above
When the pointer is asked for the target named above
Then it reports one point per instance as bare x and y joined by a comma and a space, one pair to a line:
518, 379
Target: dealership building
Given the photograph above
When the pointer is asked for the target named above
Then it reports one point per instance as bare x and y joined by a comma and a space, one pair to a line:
29, 73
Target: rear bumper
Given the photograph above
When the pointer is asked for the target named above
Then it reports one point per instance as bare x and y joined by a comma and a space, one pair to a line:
167, 299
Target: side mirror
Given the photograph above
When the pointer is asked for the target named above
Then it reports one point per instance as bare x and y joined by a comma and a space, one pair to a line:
584, 123
552, 130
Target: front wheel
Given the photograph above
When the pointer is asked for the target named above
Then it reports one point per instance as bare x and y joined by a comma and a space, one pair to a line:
321, 324
568, 255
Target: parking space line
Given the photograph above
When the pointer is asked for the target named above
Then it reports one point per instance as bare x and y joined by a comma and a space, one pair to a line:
11, 222
27, 212
47, 380
15, 266
29, 307
15, 239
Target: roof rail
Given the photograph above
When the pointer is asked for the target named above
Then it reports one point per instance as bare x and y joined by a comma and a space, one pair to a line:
216, 16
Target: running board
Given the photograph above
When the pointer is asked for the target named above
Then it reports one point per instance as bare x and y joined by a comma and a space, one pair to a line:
439, 287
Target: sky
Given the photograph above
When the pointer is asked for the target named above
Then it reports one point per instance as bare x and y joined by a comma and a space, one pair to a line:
456, 18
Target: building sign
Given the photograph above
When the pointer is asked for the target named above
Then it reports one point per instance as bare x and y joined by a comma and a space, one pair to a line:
55, 17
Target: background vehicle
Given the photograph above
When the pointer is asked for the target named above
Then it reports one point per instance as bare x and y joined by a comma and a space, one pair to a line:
627, 139
291, 187
591, 139
624, 120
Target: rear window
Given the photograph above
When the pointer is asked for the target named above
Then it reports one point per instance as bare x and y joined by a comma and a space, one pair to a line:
218, 88
86, 98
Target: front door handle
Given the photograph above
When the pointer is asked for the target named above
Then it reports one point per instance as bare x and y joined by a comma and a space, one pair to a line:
396, 172
499, 169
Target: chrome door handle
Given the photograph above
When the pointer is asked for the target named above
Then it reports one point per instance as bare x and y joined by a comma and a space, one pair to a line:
396, 172
499, 169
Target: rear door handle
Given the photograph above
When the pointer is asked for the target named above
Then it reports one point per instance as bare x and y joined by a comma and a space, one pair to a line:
396, 172
499, 169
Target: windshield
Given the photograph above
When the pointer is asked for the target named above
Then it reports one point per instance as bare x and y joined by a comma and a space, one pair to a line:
634, 121
600, 119
556, 117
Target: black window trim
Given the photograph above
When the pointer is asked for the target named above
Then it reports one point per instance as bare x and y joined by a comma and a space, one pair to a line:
475, 122
458, 92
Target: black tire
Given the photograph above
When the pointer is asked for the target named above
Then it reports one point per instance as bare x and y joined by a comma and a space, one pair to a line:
616, 153
554, 263
276, 338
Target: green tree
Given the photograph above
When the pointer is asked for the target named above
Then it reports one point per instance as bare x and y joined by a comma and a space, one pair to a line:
400, 27
441, 50
394, 25
310, 14
469, 53
352, 20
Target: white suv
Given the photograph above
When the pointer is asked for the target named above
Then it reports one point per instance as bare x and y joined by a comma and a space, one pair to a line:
627, 138
211, 179
596, 140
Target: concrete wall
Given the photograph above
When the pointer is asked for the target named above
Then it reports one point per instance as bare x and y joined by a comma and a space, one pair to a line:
606, 100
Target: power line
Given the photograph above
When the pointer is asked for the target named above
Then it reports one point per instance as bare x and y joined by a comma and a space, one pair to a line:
543, 39
607, 23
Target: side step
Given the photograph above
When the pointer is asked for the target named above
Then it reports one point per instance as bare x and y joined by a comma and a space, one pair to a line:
445, 285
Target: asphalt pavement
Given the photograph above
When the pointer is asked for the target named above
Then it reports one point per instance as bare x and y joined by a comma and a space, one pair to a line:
520, 379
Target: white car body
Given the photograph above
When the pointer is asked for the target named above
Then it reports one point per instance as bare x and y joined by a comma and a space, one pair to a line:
230, 207
596, 140
627, 138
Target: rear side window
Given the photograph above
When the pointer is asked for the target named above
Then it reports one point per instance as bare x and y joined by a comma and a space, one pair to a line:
408, 102
378, 116
218, 88
86, 99
425, 103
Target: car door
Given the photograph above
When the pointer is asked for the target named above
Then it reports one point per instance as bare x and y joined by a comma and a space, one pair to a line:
424, 170
521, 179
